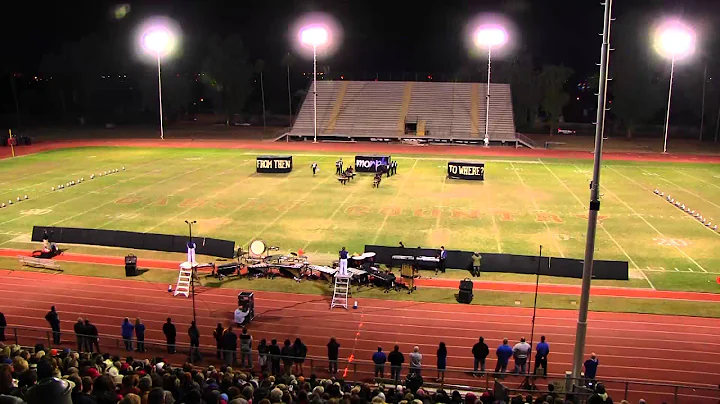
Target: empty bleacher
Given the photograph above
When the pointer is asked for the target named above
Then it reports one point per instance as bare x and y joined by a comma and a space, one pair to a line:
375, 109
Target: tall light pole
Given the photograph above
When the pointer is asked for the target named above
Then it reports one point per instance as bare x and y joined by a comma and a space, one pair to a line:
193, 265
158, 41
594, 208
314, 35
675, 40
489, 36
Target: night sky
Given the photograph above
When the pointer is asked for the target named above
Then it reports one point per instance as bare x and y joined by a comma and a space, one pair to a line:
397, 36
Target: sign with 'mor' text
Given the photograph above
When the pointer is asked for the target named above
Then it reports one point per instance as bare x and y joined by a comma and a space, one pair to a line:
371, 164
466, 170
273, 164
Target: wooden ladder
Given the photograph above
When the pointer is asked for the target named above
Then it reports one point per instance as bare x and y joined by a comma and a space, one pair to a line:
183, 283
341, 292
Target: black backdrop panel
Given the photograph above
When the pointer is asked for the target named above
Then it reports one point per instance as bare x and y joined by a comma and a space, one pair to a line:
509, 263
370, 164
273, 164
466, 170
134, 240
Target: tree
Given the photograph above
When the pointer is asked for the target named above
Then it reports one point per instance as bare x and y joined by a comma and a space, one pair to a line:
526, 92
288, 61
636, 91
228, 74
552, 81
259, 68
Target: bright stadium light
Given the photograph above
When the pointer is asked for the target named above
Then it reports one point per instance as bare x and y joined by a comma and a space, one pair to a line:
158, 39
319, 32
674, 40
489, 37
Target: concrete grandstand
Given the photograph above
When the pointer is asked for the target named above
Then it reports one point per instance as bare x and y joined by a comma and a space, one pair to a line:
425, 111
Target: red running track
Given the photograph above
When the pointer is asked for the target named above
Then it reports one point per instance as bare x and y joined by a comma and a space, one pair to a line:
682, 350
437, 150
549, 289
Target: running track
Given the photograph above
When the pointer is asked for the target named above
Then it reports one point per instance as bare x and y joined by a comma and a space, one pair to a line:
630, 346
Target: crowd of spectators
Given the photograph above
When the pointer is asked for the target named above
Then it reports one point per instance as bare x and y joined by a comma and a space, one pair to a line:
89, 376
67, 377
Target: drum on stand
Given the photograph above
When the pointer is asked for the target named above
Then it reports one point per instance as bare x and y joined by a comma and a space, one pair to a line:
257, 248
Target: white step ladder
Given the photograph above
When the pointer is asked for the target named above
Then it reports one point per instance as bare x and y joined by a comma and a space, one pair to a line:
184, 280
341, 292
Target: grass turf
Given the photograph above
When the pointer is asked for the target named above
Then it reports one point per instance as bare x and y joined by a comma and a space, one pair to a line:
523, 203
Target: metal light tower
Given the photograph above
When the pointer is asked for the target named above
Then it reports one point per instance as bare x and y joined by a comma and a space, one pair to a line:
594, 208
675, 40
489, 36
158, 41
314, 35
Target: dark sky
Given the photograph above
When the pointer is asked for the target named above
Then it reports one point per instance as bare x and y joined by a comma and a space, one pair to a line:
388, 35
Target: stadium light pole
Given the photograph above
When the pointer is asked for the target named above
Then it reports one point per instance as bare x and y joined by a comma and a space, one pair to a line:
489, 36
675, 40
158, 42
594, 208
314, 35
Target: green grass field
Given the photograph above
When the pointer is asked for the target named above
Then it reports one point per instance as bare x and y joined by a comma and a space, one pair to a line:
522, 204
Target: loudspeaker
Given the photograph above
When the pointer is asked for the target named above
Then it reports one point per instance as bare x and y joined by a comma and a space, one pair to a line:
465, 296
131, 265
466, 284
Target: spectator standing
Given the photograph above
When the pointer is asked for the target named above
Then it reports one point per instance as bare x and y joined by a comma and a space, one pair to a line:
300, 352
504, 352
521, 350
274, 351
127, 333
287, 356
263, 355
170, 334
229, 346
591, 366
396, 359
542, 351
246, 348
600, 396
194, 335
140, 335
416, 361
80, 331
218, 335
379, 358
333, 351
480, 353
3, 324
441, 362
53, 319
91, 339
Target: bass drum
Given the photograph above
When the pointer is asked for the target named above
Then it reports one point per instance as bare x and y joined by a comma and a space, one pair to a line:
257, 247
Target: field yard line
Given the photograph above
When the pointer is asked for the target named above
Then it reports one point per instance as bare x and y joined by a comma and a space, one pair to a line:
644, 220
335, 212
442, 192
283, 213
701, 180
402, 186
647, 189
600, 224
495, 227
224, 189
85, 195
126, 195
37, 184
534, 202
685, 190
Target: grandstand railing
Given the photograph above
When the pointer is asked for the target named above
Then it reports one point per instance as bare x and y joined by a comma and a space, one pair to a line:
360, 370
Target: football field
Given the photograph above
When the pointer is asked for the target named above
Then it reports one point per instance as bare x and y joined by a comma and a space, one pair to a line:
522, 204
